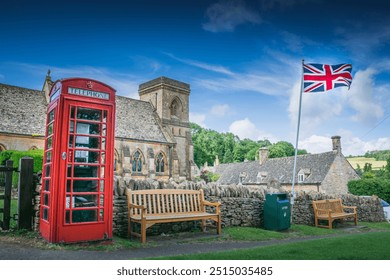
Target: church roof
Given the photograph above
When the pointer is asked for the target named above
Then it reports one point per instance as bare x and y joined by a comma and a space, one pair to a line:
314, 166
138, 120
22, 110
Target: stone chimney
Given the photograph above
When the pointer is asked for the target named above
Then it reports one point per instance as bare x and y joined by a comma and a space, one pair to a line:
336, 144
263, 155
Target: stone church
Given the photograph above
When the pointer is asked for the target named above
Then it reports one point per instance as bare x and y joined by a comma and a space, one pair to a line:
152, 134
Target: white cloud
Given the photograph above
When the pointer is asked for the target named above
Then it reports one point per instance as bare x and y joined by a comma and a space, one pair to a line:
256, 82
350, 145
246, 129
202, 65
225, 16
361, 98
220, 110
315, 144
315, 110
198, 119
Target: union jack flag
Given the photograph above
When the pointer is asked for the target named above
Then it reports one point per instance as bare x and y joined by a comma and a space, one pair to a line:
324, 77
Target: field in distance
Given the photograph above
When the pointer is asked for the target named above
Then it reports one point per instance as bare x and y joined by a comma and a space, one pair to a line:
361, 161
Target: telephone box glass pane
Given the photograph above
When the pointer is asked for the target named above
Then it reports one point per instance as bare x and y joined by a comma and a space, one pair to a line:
101, 185
88, 114
47, 183
49, 143
87, 142
81, 216
85, 171
71, 127
45, 214
86, 156
48, 157
46, 199
85, 201
50, 129
47, 173
85, 185
51, 116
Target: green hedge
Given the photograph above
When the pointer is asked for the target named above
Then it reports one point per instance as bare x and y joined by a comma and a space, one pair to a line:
15, 156
371, 186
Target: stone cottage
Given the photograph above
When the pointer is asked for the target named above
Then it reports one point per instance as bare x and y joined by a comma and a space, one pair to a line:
152, 135
327, 172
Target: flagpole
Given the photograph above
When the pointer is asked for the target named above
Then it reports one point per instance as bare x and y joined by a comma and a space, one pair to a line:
296, 145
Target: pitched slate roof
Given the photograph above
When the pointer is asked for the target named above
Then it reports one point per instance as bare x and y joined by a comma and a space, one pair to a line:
137, 119
277, 168
22, 110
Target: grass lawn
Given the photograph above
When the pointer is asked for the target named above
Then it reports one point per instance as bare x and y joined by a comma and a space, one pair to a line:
367, 246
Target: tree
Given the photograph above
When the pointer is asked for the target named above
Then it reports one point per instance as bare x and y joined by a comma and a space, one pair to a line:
230, 148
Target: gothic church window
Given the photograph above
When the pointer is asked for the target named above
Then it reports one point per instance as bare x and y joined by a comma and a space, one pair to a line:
137, 162
2, 148
160, 163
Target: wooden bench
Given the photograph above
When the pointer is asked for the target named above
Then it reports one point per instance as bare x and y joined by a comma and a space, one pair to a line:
330, 210
149, 207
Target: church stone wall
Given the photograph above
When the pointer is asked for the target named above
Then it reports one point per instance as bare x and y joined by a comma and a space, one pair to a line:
125, 150
21, 142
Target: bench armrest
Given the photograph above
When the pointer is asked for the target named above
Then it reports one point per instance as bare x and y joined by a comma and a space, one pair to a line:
136, 206
217, 205
141, 207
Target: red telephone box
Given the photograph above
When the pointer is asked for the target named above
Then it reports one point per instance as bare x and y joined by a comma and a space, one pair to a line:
77, 179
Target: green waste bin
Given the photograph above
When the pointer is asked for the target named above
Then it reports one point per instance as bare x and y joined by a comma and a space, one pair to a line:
277, 212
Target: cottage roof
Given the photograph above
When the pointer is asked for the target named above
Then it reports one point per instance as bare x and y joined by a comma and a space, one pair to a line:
314, 166
22, 110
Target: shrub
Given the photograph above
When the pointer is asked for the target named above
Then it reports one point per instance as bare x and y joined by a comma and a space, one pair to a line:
15, 156
371, 186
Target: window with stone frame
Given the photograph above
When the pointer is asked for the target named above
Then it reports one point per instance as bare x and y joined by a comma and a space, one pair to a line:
2, 148
160, 163
137, 162
176, 108
301, 177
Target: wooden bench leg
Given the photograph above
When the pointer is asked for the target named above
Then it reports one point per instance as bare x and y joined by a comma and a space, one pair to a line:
219, 226
143, 231
203, 225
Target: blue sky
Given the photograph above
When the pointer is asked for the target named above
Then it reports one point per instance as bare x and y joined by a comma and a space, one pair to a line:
241, 58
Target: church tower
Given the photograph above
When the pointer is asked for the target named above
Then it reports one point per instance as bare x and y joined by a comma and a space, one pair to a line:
170, 98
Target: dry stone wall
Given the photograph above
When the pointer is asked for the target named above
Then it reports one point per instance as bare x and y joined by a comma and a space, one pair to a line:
241, 206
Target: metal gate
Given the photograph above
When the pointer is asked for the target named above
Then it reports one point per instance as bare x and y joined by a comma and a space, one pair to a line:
6, 182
